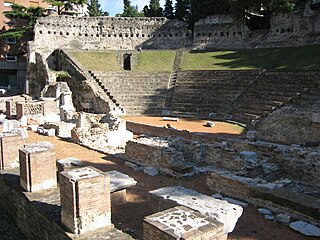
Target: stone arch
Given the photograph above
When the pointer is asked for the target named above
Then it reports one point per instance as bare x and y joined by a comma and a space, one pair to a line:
127, 61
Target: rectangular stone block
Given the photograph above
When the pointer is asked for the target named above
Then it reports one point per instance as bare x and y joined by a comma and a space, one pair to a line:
222, 211
9, 155
181, 223
85, 199
37, 167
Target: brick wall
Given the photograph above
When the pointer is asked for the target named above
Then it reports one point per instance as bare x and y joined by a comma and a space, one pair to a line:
37, 168
9, 156
85, 199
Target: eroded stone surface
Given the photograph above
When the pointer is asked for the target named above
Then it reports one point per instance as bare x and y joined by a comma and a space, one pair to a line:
120, 181
306, 228
222, 211
182, 223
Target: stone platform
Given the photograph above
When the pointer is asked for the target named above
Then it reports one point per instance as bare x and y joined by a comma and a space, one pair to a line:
222, 211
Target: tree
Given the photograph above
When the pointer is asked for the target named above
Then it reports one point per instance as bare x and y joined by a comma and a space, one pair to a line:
23, 19
129, 10
241, 7
66, 7
154, 9
183, 9
94, 9
203, 8
168, 10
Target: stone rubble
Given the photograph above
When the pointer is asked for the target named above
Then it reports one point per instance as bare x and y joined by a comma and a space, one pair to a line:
151, 171
283, 218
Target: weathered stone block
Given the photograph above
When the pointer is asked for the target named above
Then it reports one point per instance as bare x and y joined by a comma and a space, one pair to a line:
37, 167
181, 223
221, 211
85, 199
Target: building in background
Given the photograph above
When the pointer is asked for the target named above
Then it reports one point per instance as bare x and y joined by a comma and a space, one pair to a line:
12, 57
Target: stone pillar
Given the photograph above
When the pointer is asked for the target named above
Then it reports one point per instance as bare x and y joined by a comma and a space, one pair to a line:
9, 155
37, 166
181, 223
10, 108
85, 199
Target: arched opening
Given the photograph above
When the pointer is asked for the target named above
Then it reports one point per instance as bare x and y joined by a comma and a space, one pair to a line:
127, 61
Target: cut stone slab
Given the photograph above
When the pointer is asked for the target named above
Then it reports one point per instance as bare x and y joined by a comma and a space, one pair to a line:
68, 163
249, 156
283, 218
152, 171
264, 211
119, 181
222, 211
305, 228
130, 164
181, 223
170, 119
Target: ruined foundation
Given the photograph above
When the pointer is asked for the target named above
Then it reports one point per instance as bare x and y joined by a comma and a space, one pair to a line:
181, 223
85, 199
37, 167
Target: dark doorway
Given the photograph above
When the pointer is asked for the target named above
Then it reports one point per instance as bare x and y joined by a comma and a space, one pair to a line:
127, 61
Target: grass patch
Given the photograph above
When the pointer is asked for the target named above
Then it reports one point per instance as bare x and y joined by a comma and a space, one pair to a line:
97, 61
307, 57
155, 61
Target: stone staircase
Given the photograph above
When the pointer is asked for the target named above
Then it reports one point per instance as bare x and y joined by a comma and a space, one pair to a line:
116, 108
136, 92
200, 93
173, 80
270, 91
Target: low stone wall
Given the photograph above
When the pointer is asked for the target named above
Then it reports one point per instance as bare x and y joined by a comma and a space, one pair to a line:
152, 154
300, 163
28, 219
299, 205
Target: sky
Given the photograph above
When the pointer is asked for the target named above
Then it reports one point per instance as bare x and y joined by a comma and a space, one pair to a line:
116, 6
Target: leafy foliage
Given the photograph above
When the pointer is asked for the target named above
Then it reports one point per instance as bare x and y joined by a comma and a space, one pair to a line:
129, 10
22, 20
153, 10
94, 9
168, 10
66, 7
203, 8
183, 9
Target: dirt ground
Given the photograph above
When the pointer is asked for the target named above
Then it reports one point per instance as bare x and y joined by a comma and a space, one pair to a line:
129, 216
221, 129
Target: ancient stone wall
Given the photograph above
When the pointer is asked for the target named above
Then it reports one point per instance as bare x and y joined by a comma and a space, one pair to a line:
24, 213
219, 31
106, 33
287, 30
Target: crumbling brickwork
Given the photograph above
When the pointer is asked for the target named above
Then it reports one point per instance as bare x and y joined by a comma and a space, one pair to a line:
37, 167
85, 199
